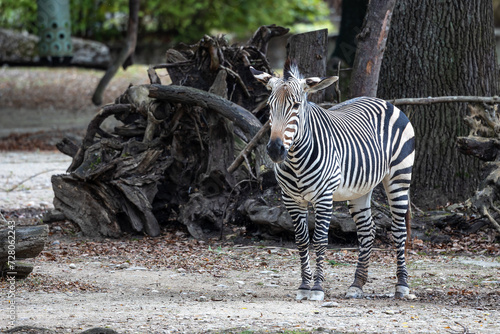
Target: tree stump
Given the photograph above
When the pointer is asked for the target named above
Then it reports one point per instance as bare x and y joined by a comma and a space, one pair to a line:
483, 143
309, 50
168, 160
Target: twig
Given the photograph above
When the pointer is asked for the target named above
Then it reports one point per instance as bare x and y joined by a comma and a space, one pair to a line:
238, 79
417, 208
445, 99
464, 330
239, 159
249, 167
27, 179
224, 218
337, 84
180, 63
490, 217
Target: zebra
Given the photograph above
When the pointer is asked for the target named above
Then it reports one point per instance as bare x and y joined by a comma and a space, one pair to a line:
338, 154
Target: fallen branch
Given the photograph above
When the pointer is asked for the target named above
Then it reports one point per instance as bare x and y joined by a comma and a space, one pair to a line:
431, 100
445, 99
27, 179
192, 96
250, 146
491, 219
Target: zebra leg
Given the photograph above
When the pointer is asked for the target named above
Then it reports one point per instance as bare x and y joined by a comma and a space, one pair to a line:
398, 195
360, 210
299, 217
323, 215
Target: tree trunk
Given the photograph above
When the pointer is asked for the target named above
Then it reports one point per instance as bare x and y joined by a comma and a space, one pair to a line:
125, 57
371, 46
309, 50
438, 49
353, 14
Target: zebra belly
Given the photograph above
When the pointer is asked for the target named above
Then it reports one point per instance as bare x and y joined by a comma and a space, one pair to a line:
346, 194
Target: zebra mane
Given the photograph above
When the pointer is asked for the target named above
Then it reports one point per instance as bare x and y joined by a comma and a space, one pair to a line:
291, 70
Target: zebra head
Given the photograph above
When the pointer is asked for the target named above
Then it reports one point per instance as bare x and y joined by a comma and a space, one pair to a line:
287, 103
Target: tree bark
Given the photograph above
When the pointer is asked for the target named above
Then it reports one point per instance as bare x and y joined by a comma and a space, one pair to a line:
309, 50
439, 49
125, 57
371, 46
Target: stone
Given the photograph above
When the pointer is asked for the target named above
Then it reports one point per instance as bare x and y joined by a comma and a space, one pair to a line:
137, 269
330, 304
18, 48
72, 266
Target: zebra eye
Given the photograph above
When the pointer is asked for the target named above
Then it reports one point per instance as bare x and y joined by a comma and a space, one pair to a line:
296, 105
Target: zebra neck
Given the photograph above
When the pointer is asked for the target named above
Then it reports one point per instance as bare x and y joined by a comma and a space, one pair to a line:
302, 139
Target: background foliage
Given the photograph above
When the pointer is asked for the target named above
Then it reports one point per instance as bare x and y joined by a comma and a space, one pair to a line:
172, 20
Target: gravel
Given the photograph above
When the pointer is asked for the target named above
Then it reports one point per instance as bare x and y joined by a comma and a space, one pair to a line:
25, 178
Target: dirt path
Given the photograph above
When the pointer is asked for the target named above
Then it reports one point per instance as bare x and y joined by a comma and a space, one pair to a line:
177, 285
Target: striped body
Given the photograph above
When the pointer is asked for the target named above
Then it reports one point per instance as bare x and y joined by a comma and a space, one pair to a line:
338, 154
350, 148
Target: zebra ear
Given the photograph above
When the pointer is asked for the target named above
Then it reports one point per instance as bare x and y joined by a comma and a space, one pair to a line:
266, 78
315, 84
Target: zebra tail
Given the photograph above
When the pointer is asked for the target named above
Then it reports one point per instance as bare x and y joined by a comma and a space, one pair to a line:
408, 242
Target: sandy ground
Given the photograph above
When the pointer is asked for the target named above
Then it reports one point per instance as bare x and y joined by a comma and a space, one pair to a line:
137, 299
25, 178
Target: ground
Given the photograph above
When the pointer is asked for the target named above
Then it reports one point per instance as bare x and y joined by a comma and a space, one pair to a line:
176, 284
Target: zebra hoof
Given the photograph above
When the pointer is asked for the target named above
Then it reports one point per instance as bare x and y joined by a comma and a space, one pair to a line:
401, 291
317, 295
354, 292
303, 294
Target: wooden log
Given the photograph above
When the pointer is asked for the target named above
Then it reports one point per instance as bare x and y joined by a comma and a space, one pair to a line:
192, 96
485, 149
92, 129
20, 270
309, 50
30, 241
93, 206
263, 35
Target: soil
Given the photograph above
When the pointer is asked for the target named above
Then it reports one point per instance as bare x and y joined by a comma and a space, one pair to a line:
175, 284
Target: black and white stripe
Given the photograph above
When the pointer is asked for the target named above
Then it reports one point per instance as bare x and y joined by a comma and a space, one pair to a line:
334, 155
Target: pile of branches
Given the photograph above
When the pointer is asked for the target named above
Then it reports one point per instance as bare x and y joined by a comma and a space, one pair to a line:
483, 142
170, 159
193, 152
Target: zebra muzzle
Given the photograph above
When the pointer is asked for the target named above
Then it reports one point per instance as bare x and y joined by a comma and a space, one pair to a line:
276, 150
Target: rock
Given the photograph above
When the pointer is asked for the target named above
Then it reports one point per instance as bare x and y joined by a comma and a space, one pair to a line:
53, 216
202, 299
330, 304
124, 265
240, 282
390, 312
137, 269
410, 296
17, 48
72, 266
